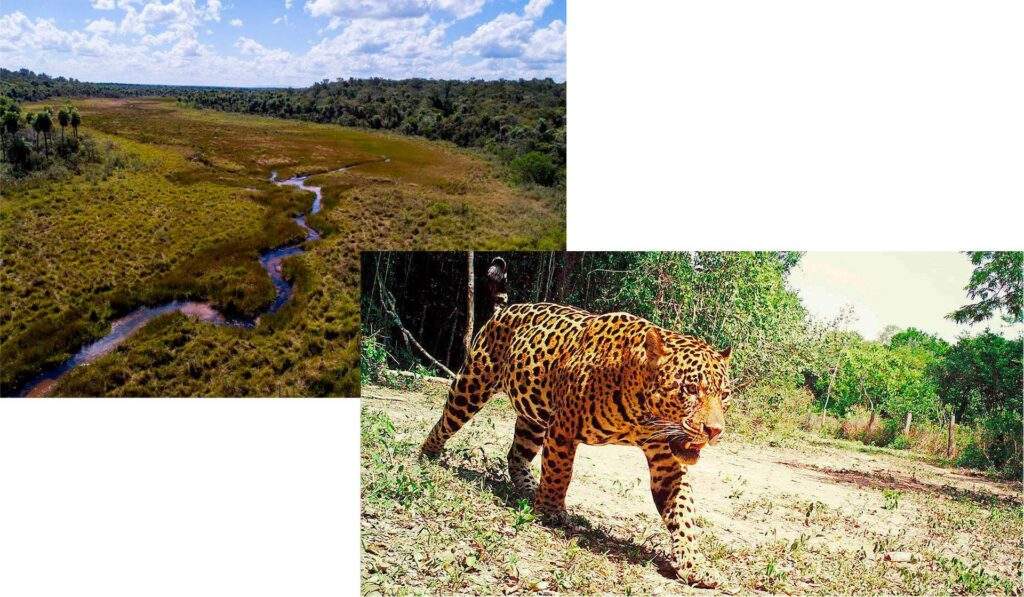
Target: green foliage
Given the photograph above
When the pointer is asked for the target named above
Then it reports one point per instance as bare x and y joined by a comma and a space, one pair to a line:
534, 168
995, 442
915, 338
900, 442
524, 514
996, 286
891, 498
981, 374
894, 380
373, 358
973, 580
23, 159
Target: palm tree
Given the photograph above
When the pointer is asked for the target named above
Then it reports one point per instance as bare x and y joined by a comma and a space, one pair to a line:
76, 120
64, 118
44, 124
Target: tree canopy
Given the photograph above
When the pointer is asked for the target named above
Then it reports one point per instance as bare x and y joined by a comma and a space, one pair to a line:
995, 287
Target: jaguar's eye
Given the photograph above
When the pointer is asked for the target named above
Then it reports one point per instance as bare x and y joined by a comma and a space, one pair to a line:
690, 388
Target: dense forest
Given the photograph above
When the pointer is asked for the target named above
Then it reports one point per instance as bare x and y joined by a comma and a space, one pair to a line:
25, 85
522, 123
797, 373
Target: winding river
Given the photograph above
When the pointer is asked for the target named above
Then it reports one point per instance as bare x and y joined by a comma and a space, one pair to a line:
123, 328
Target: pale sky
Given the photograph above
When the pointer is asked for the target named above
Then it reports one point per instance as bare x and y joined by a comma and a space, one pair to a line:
900, 288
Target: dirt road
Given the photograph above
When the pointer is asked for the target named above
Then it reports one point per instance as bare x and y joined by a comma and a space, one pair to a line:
798, 516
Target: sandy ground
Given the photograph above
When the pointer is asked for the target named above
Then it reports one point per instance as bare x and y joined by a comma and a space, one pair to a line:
748, 494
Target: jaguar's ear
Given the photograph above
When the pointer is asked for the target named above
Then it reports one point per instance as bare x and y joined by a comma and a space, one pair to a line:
654, 345
726, 353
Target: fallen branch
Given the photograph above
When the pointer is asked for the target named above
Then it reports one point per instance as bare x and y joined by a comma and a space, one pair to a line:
387, 301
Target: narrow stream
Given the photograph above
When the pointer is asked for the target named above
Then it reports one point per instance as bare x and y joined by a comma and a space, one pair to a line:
123, 328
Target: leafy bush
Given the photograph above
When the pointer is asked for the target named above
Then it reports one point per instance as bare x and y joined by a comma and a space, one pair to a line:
372, 359
995, 442
900, 442
764, 411
534, 167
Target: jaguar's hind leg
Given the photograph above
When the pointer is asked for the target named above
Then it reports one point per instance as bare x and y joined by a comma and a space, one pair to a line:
469, 392
527, 442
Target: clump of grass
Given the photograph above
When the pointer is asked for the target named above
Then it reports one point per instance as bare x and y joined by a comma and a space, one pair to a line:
892, 498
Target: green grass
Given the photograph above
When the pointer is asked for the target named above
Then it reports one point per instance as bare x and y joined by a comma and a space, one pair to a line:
186, 214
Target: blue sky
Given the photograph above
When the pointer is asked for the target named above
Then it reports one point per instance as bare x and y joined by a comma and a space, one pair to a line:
283, 42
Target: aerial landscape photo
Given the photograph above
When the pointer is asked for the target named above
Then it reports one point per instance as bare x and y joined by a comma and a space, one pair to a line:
187, 185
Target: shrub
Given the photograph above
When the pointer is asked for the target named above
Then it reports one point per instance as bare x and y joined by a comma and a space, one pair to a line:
534, 167
767, 410
858, 425
900, 442
995, 442
372, 360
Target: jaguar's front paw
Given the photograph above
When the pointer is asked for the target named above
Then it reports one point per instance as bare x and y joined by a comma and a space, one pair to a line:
700, 576
696, 571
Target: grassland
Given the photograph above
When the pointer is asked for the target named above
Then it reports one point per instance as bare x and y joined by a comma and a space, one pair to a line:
785, 516
183, 212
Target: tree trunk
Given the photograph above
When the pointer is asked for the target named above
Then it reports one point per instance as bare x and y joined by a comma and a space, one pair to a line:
906, 426
951, 436
467, 339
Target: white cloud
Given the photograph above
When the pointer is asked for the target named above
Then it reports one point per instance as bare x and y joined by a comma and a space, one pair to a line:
288, 4
516, 38
460, 9
389, 9
101, 27
535, 8
547, 44
236, 22
103, 4
503, 37
18, 32
212, 12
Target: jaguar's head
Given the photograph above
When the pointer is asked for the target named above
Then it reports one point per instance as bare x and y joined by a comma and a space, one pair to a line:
686, 391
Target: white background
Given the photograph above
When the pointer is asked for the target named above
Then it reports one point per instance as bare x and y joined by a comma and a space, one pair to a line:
870, 125
877, 124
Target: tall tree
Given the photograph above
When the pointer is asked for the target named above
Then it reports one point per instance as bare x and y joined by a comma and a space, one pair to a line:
44, 124
64, 118
76, 120
995, 286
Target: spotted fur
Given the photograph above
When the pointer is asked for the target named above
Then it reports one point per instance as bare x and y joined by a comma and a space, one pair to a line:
574, 377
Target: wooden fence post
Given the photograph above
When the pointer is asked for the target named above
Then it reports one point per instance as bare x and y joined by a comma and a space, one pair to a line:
950, 435
906, 426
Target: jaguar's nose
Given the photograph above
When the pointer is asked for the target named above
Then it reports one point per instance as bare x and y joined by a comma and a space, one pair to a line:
713, 430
